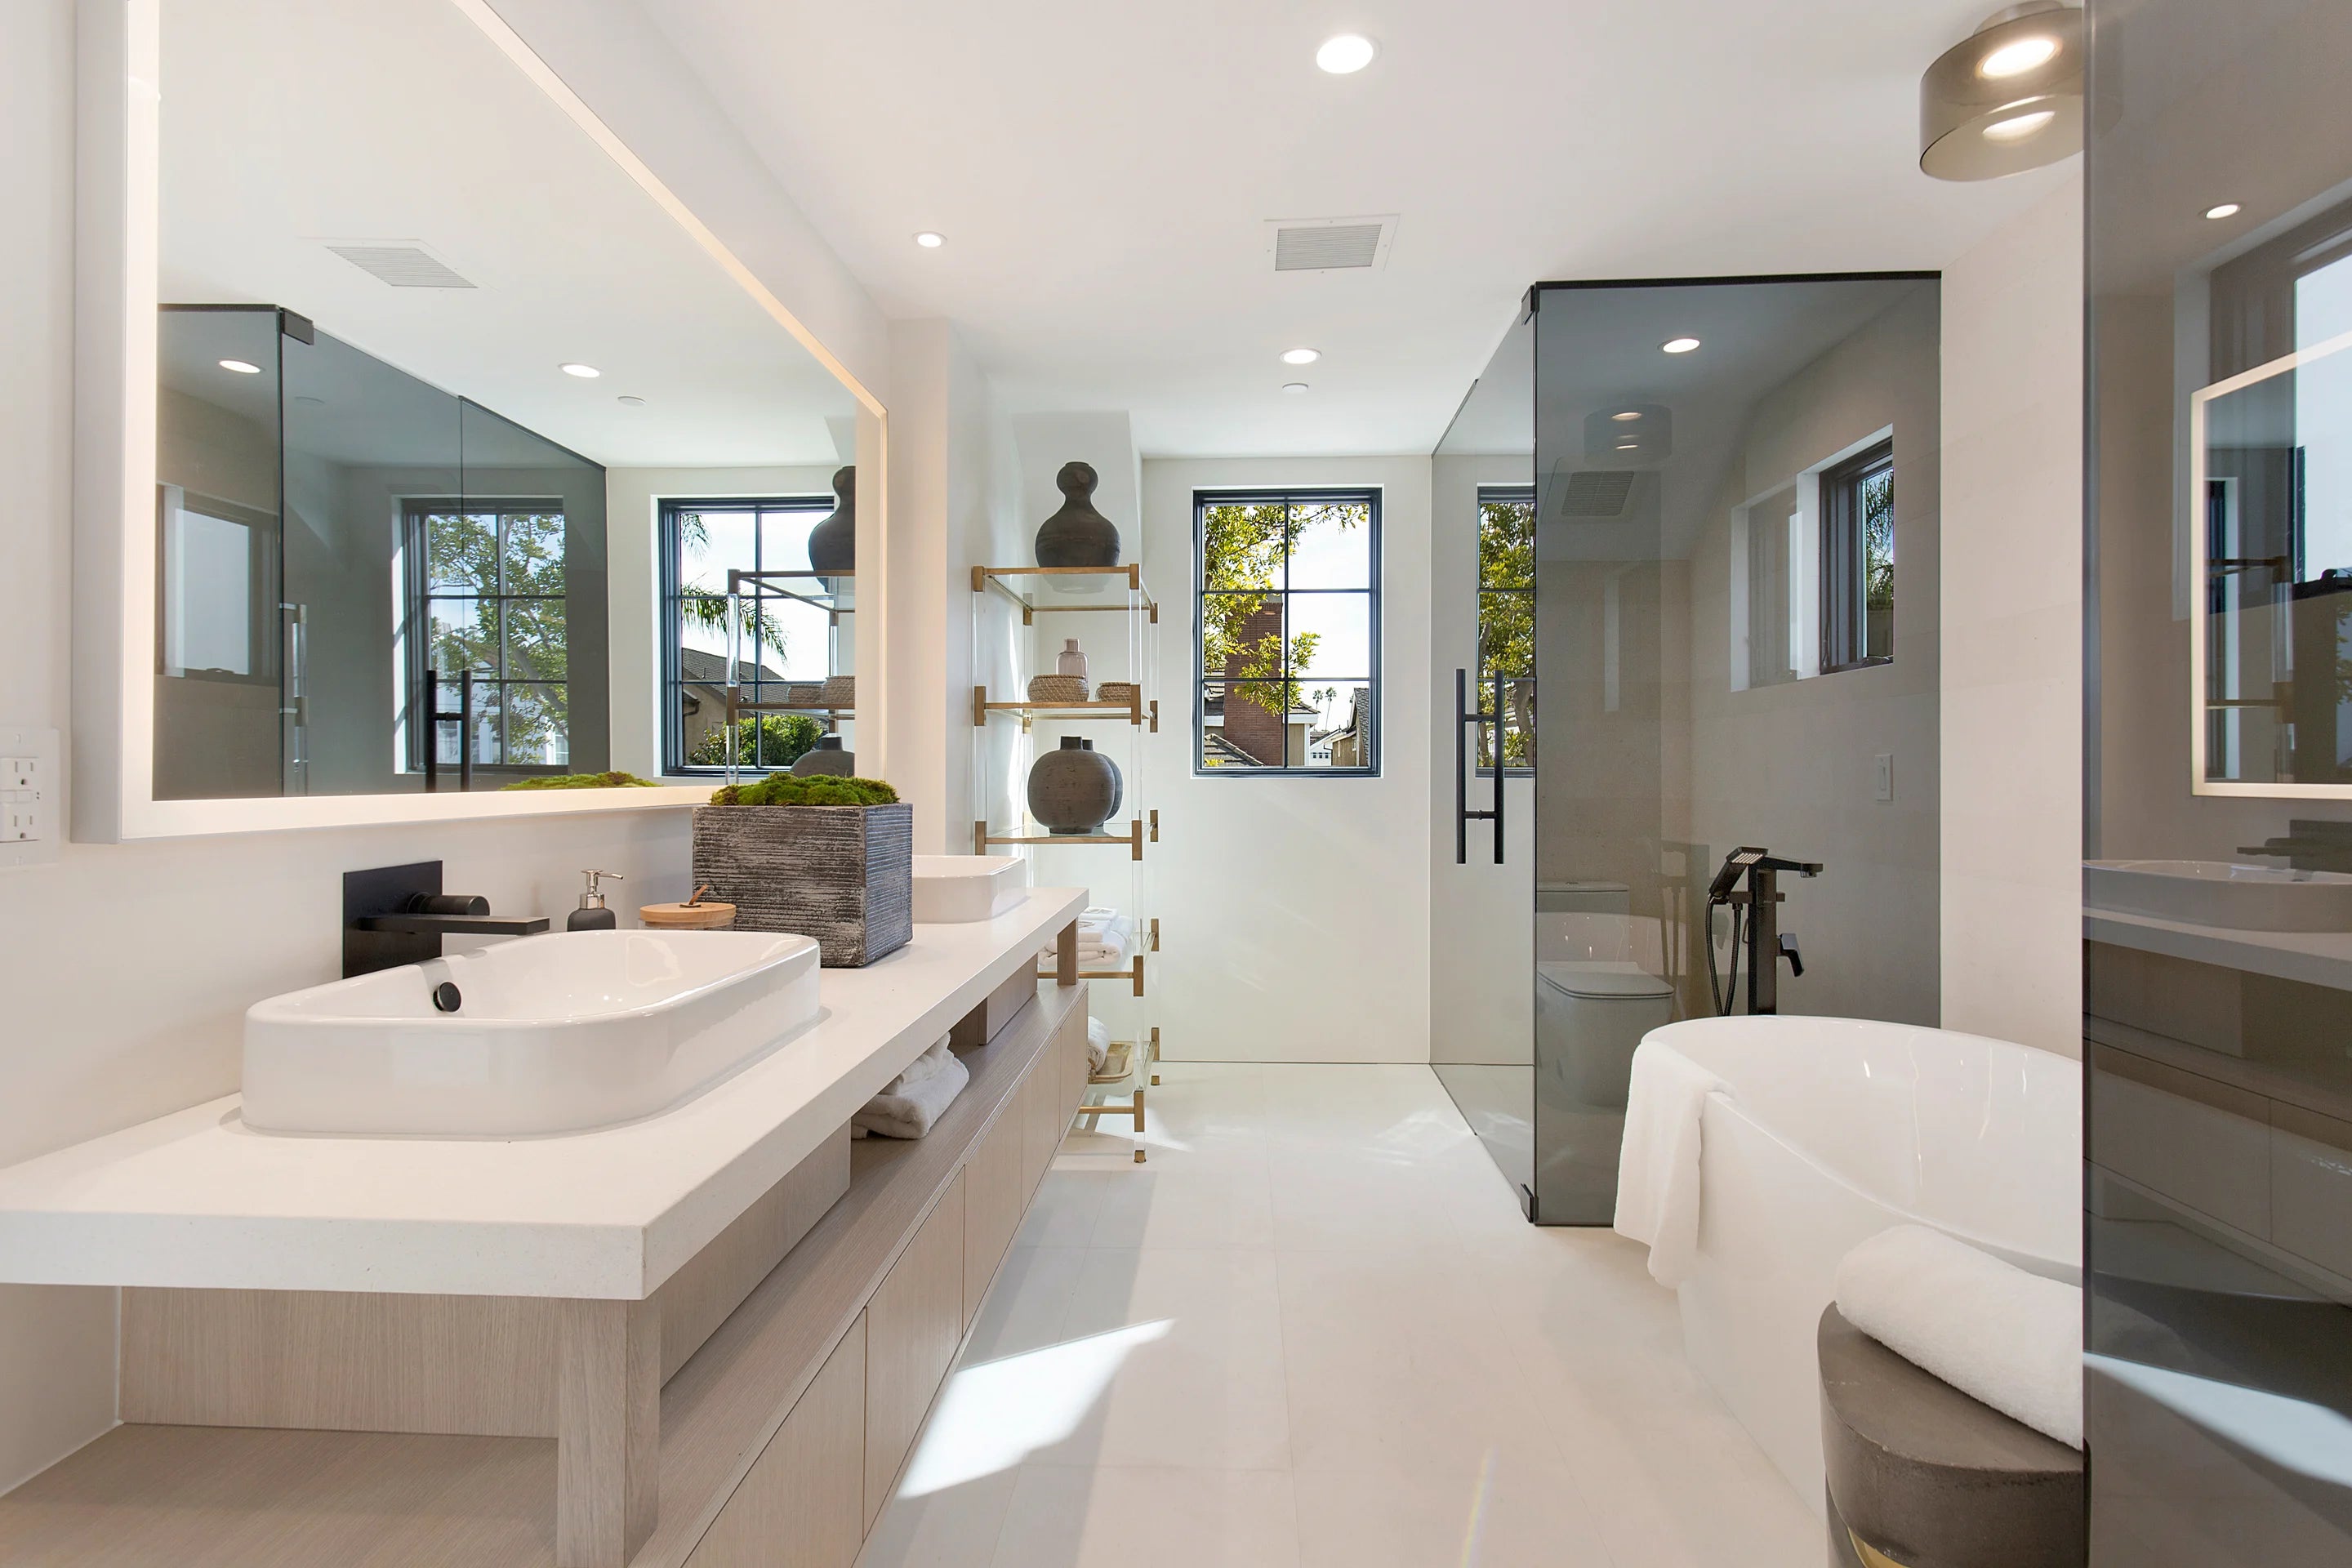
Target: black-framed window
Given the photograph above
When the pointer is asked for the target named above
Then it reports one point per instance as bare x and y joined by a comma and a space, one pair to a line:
487, 596
1858, 559
1506, 620
788, 639
1286, 619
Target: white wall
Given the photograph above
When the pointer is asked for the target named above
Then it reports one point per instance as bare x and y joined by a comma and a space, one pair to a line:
128, 968
1482, 927
1296, 911
632, 498
2012, 629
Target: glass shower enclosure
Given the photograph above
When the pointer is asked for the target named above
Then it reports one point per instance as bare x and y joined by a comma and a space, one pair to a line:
1701, 515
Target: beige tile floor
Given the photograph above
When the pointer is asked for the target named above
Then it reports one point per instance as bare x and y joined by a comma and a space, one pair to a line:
1314, 1331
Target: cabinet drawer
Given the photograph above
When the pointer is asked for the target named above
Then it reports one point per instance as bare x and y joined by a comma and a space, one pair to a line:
994, 1200
913, 1325
801, 1504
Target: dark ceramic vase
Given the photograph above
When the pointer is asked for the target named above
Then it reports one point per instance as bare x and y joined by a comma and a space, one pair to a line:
827, 757
1078, 535
833, 543
1074, 789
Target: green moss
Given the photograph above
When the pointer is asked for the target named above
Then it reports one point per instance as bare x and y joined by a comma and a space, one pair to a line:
583, 781
819, 789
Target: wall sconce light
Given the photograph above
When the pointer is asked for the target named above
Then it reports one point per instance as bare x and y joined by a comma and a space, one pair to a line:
2008, 100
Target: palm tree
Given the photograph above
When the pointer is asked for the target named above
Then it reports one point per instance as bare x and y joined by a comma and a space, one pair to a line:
707, 607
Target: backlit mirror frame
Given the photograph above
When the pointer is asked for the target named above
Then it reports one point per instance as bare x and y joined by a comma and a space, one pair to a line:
117, 180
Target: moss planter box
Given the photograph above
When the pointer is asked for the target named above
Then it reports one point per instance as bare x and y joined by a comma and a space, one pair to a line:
844, 875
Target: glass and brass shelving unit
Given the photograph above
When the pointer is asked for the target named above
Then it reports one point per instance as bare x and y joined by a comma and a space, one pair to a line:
1010, 729
749, 594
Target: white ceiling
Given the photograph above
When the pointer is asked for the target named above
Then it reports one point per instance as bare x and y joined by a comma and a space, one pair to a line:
1103, 172
286, 126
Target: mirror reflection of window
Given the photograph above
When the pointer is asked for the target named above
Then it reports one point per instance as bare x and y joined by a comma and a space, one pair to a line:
1858, 559
1507, 619
491, 599
790, 629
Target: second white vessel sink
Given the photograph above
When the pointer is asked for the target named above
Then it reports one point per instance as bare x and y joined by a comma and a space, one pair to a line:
550, 1034
954, 888
2221, 893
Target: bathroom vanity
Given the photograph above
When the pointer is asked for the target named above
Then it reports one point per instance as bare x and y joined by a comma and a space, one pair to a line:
729, 1317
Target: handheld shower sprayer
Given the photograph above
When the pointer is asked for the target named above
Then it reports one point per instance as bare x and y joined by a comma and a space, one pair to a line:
1755, 924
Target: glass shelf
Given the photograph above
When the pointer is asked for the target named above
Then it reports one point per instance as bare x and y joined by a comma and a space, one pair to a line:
1069, 590
1139, 831
1137, 712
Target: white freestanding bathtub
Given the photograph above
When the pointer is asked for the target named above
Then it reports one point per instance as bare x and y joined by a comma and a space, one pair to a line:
1828, 1132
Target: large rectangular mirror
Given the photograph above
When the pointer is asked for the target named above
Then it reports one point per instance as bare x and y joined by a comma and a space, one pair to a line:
461, 438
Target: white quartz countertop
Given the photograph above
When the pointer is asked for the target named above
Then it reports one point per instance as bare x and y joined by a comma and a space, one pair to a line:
199, 1199
2317, 958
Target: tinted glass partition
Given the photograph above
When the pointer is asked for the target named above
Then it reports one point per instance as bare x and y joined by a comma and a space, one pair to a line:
1733, 516
2218, 963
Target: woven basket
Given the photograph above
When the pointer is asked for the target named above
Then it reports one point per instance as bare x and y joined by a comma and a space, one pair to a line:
840, 691
1115, 691
1056, 689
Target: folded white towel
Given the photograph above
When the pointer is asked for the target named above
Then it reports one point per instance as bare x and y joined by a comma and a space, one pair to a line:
1098, 1044
1101, 950
910, 1112
1657, 1167
1991, 1330
921, 1068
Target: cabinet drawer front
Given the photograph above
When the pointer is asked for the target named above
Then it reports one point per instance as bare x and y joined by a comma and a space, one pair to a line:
801, 1505
913, 1325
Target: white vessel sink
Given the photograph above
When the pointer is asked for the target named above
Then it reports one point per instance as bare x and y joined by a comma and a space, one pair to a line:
554, 1034
953, 888
2221, 893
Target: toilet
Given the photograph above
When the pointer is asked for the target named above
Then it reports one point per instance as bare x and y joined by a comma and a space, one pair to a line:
1589, 1017
1594, 1000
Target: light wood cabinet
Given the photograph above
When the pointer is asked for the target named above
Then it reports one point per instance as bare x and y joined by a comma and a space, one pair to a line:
993, 1203
801, 1504
913, 1325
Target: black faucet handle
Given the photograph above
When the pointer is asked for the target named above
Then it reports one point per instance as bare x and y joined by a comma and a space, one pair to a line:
1789, 951
446, 904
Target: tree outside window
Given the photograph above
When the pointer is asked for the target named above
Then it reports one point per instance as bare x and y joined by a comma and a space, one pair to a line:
490, 600
1507, 619
1858, 559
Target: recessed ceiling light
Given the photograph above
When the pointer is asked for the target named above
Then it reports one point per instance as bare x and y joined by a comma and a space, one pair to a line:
585, 372
1347, 53
2018, 127
2227, 209
1679, 345
1301, 356
930, 240
2017, 59
630, 400
1627, 446
1294, 387
1629, 414
242, 367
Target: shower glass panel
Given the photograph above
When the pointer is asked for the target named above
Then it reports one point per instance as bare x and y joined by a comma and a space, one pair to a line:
1731, 548
2219, 726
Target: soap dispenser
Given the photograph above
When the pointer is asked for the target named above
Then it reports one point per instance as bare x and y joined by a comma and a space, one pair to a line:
592, 914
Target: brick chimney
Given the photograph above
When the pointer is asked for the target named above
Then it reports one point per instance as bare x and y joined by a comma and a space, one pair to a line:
1249, 727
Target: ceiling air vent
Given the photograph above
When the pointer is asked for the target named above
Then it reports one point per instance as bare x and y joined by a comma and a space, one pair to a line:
1596, 493
1330, 244
402, 263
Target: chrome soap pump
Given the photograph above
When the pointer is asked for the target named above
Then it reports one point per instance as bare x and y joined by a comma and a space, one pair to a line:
592, 914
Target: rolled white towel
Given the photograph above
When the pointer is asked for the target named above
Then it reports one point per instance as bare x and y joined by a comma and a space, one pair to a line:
1657, 1166
2010, 1339
1098, 1044
911, 1112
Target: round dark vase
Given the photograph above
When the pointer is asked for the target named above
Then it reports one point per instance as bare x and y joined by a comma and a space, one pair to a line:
827, 757
833, 543
1078, 535
1074, 789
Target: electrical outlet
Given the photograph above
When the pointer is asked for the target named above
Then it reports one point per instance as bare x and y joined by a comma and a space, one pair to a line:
1882, 776
30, 792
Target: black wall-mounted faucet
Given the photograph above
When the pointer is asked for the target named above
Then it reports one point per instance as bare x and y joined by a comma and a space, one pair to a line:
398, 914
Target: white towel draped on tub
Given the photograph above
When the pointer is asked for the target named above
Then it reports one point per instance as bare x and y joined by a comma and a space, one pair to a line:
2010, 1339
1657, 1169
910, 1102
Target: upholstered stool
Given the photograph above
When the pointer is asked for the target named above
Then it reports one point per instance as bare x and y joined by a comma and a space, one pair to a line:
1922, 1476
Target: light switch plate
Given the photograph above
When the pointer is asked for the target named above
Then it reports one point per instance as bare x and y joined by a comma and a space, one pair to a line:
32, 789
1882, 776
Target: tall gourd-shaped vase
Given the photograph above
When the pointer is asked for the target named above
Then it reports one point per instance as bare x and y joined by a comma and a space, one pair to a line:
1074, 789
1078, 535
833, 543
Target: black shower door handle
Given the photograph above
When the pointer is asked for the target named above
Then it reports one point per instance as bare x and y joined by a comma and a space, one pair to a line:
1465, 719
